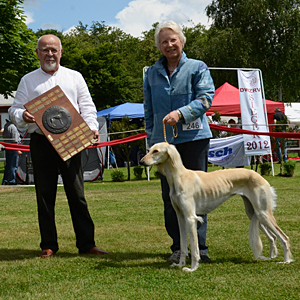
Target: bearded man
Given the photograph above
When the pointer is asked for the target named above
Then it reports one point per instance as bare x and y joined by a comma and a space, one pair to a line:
46, 162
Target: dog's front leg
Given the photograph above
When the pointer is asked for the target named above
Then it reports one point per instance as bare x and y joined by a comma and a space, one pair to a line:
183, 240
191, 224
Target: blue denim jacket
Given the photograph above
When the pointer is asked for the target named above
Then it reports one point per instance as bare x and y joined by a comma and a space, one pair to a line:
190, 89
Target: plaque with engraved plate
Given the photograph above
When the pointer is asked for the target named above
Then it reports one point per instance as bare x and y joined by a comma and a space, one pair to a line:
60, 122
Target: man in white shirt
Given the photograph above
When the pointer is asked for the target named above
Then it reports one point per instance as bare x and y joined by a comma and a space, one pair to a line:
46, 162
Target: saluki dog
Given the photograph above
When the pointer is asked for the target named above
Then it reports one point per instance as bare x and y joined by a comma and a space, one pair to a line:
195, 193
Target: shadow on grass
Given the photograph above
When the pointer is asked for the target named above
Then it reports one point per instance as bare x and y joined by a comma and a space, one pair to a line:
133, 260
158, 260
119, 259
21, 254
234, 260
114, 260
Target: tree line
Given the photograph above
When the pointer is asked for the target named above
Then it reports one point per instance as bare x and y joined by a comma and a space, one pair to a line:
261, 34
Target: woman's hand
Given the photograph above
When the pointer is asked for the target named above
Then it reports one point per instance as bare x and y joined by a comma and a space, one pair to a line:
172, 118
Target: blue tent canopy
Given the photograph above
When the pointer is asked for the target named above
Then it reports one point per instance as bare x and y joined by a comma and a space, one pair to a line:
131, 110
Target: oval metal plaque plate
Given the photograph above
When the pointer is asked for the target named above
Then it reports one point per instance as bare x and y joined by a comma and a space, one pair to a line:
56, 119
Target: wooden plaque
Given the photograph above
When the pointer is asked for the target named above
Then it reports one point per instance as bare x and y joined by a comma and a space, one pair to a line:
60, 122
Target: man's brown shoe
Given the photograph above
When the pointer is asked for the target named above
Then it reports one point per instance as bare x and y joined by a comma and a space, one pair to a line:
46, 253
97, 251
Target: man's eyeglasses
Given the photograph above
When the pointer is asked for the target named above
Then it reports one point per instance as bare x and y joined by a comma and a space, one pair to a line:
46, 51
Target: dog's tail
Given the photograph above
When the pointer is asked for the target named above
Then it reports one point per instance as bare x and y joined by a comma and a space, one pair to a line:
273, 197
254, 238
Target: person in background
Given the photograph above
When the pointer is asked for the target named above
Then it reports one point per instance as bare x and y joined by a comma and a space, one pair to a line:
232, 123
11, 135
216, 119
179, 91
277, 117
46, 161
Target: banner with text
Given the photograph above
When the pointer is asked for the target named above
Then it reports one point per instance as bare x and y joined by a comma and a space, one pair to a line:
253, 113
228, 152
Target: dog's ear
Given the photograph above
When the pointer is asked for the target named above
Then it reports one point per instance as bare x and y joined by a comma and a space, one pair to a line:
171, 149
174, 156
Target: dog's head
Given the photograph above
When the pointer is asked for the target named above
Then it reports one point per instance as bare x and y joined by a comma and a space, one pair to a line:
158, 154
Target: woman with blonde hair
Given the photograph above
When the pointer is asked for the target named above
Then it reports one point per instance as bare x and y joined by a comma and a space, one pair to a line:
179, 91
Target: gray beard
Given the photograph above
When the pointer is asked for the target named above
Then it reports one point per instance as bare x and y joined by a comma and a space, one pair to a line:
50, 66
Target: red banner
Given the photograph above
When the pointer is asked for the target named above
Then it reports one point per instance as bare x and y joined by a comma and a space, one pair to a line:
20, 147
287, 135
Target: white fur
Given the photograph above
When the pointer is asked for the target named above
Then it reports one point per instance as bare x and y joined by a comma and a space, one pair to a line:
195, 193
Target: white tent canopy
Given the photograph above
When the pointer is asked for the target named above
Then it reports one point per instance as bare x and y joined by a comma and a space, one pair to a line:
292, 111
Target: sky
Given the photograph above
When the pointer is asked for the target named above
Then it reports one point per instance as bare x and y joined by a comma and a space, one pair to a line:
132, 17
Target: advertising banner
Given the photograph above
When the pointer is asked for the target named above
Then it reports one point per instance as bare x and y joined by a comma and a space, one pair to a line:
228, 152
253, 113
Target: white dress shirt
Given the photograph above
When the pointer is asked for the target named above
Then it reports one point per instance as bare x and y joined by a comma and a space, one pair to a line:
38, 82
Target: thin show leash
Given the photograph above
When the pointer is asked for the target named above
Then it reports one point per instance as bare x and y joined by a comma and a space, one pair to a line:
175, 131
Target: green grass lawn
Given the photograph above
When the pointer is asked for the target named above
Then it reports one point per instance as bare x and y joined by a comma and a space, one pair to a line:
129, 223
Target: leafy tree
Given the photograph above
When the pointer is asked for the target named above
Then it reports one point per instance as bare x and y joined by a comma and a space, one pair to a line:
268, 31
226, 48
102, 55
17, 46
56, 32
148, 52
282, 126
107, 58
196, 38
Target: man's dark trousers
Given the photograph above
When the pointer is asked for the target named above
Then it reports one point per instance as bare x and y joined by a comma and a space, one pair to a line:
46, 166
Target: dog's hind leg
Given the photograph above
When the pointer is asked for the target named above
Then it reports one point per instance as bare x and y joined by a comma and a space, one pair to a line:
268, 220
272, 240
248, 207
